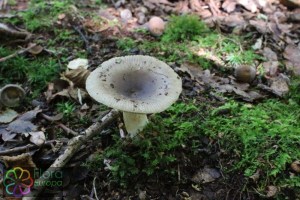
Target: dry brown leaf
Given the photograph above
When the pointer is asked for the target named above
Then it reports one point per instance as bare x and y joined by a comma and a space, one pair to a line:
271, 191
7, 115
77, 76
229, 5
292, 54
249, 5
206, 175
23, 160
269, 54
296, 166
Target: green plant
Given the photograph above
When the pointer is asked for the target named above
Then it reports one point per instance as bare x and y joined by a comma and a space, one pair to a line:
67, 108
126, 44
185, 27
154, 152
261, 138
38, 71
42, 14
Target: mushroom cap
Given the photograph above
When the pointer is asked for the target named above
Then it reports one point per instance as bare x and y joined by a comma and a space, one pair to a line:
11, 95
137, 84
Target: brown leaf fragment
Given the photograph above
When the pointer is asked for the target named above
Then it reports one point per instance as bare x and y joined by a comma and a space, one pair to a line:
271, 68
296, 166
77, 76
23, 160
269, 54
271, 191
292, 54
30, 115
229, 5
255, 176
206, 175
20, 126
7, 115
249, 5
260, 25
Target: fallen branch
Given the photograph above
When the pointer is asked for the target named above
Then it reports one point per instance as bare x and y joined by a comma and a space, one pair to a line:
17, 53
24, 148
73, 146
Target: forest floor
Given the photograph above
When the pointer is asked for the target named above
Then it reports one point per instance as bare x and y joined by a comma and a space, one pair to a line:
233, 134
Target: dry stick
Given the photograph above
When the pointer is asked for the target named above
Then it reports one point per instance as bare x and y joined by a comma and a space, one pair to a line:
67, 129
24, 148
73, 146
62, 126
17, 53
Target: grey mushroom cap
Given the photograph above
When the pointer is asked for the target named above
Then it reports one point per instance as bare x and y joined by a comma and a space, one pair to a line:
137, 84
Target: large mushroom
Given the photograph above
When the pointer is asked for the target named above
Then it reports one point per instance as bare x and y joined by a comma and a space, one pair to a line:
136, 85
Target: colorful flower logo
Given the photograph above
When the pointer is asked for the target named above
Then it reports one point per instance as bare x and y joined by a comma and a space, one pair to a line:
17, 182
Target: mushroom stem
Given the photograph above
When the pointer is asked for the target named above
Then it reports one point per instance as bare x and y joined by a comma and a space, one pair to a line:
134, 122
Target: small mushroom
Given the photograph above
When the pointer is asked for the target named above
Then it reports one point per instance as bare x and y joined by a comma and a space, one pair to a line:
11, 95
36, 49
156, 26
245, 74
137, 85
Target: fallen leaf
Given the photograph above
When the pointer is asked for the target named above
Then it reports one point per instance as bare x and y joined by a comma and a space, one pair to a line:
296, 166
7, 115
279, 85
291, 53
269, 54
21, 125
271, 68
23, 160
229, 5
77, 76
271, 191
248, 4
206, 175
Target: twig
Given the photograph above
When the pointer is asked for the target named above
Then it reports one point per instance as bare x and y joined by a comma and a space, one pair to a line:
62, 126
83, 37
94, 188
17, 53
73, 146
67, 129
24, 148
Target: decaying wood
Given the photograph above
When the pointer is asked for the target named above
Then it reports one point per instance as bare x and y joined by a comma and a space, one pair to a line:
73, 146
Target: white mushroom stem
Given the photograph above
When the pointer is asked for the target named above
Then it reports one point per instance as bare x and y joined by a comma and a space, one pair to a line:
134, 122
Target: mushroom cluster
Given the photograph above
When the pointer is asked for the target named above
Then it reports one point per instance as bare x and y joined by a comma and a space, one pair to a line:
136, 85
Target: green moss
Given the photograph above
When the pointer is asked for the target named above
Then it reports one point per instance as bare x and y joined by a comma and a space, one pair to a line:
153, 152
36, 71
41, 14
263, 138
185, 27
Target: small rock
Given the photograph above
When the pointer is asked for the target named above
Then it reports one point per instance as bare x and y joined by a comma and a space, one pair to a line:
126, 15
156, 26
